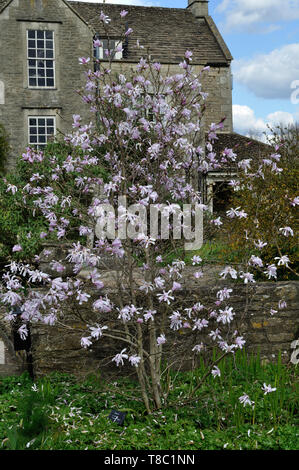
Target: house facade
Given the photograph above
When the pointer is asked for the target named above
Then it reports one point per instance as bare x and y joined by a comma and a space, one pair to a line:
41, 41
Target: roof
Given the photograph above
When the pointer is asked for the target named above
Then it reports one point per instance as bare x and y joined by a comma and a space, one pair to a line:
166, 32
243, 146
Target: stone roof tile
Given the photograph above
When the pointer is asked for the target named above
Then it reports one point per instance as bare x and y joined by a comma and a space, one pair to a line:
167, 32
243, 146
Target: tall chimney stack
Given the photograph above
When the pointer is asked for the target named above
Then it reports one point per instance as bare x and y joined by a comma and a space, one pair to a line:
199, 7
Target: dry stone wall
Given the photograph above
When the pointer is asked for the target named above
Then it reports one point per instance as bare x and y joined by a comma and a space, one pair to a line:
58, 347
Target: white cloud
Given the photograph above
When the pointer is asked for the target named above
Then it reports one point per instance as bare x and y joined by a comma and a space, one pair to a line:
247, 123
270, 75
281, 117
252, 15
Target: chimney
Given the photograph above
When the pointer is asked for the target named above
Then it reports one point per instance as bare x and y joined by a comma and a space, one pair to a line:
199, 7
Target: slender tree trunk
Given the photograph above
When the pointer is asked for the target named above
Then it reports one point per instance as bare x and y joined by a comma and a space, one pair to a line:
155, 372
141, 370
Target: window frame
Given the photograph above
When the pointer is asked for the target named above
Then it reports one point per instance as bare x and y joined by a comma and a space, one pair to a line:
53, 60
101, 56
40, 145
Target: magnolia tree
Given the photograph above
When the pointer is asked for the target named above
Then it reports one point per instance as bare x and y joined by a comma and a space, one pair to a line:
146, 135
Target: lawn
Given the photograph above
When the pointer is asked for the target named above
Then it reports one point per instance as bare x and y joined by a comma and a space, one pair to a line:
59, 412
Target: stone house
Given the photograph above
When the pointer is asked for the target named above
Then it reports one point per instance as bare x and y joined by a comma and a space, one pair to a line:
41, 41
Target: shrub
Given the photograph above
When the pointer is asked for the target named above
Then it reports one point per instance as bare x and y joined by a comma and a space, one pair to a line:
270, 201
20, 223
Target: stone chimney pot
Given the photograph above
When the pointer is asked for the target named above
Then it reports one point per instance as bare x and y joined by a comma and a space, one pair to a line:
199, 7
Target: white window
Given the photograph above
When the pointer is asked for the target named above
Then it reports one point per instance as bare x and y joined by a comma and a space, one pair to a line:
41, 129
41, 59
109, 45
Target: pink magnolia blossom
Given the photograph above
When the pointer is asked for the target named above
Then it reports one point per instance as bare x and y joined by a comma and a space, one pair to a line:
216, 372
84, 60
286, 231
86, 342
119, 358
268, 389
245, 400
161, 339
16, 248
165, 297
134, 360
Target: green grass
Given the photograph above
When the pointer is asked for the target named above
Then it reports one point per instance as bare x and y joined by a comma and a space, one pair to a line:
212, 252
65, 413
217, 252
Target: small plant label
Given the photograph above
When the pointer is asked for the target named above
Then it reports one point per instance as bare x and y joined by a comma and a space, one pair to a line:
117, 417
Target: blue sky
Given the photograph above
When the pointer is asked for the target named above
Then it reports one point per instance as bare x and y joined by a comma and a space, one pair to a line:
263, 37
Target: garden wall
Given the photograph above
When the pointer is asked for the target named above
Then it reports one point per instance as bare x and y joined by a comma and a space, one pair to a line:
58, 348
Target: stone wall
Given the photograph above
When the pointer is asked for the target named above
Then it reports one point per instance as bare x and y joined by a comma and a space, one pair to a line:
58, 348
73, 39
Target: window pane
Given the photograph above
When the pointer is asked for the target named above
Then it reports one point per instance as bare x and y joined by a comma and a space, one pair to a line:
41, 82
31, 53
40, 34
49, 34
50, 82
49, 54
31, 34
49, 44
40, 44
40, 53
33, 139
32, 81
